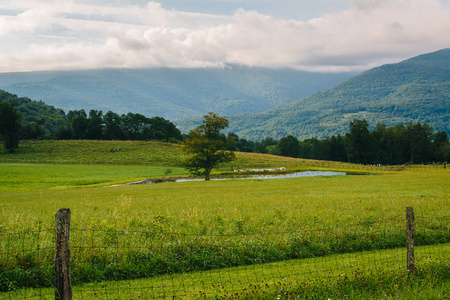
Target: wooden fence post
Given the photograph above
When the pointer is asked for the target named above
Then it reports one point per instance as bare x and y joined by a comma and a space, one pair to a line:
410, 234
63, 283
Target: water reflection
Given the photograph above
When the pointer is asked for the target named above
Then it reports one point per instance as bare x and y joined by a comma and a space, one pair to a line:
237, 177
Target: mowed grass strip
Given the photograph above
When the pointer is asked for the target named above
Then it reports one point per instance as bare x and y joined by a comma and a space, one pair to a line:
367, 275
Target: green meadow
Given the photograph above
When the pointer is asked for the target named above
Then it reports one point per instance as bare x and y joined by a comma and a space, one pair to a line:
144, 230
150, 153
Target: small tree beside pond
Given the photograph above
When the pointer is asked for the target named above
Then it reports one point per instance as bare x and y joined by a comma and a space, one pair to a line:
208, 146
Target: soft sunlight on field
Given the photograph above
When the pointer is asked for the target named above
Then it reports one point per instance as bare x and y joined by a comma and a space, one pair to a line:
225, 223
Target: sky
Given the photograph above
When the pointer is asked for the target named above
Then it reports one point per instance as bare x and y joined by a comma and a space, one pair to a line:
311, 35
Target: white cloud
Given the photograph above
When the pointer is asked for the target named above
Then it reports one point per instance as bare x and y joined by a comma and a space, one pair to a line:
28, 21
369, 33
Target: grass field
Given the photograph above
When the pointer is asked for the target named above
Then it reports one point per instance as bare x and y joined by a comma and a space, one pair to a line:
40, 176
119, 152
235, 222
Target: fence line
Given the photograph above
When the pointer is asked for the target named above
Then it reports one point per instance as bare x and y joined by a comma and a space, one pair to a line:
330, 164
146, 265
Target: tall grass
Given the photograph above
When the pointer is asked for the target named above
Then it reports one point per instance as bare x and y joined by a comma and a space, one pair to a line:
235, 206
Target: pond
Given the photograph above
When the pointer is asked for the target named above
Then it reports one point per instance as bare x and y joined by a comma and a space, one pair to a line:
239, 177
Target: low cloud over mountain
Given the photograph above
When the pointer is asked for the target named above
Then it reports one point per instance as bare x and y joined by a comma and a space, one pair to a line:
55, 35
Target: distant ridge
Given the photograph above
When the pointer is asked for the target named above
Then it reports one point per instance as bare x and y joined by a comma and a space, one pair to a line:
258, 102
414, 90
170, 93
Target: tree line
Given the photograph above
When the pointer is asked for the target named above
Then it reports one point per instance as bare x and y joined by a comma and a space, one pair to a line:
77, 124
400, 144
112, 126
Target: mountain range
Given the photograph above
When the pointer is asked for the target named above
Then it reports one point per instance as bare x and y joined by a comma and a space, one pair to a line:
170, 93
414, 90
258, 102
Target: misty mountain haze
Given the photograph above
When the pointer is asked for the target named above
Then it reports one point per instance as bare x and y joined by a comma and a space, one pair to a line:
170, 93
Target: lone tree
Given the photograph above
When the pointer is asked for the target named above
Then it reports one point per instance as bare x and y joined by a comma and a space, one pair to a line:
208, 146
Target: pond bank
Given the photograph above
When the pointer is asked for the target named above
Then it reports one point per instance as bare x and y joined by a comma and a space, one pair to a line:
242, 176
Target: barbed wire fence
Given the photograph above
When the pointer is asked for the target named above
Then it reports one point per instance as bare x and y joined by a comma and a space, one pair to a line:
123, 264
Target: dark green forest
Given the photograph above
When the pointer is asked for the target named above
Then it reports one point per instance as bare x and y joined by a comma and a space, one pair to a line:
111, 126
35, 114
22, 118
400, 144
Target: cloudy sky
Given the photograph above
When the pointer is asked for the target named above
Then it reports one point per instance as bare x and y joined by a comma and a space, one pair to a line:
315, 35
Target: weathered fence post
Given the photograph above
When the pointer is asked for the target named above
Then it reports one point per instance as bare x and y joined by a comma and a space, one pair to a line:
410, 234
63, 283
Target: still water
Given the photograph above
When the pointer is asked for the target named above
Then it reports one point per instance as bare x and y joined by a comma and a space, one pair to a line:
259, 176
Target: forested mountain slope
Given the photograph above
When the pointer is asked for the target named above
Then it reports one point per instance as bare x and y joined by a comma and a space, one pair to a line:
170, 93
415, 90
35, 111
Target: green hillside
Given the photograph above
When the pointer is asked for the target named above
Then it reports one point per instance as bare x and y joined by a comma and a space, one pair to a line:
33, 111
147, 153
415, 90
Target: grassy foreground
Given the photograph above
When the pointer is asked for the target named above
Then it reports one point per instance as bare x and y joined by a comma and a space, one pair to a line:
314, 278
224, 223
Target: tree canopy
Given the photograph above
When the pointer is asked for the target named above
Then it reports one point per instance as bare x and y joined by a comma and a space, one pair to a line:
111, 126
10, 125
400, 144
288, 146
208, 146
359, 142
